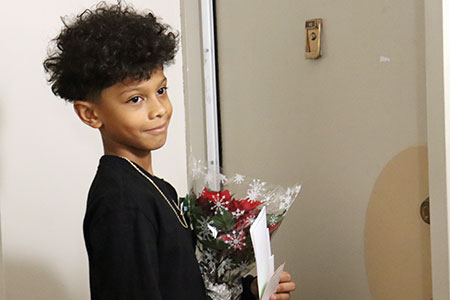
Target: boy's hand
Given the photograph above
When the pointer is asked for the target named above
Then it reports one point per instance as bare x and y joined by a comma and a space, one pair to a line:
285, 287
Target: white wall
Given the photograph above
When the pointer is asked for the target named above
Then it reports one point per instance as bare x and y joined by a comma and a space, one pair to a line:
48, 157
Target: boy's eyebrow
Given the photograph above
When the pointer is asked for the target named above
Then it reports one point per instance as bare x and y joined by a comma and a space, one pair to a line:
128, 89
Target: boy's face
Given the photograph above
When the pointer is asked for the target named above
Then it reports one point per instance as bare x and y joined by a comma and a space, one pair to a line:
135, 115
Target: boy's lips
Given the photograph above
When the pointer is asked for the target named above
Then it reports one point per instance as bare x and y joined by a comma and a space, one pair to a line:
158, 129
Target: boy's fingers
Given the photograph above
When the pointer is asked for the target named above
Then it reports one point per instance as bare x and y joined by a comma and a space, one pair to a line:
286, 287
285, 276
283, 296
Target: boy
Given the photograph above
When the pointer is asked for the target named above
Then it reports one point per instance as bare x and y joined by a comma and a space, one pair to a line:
109, 63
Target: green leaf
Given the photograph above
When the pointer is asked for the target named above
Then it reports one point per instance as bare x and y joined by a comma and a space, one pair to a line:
223, 220
273, 219
216, 244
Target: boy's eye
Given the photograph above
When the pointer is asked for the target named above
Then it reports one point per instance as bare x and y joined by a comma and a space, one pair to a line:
135, 99
162, 91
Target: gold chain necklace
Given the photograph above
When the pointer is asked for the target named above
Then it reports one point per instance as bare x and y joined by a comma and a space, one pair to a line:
182, 220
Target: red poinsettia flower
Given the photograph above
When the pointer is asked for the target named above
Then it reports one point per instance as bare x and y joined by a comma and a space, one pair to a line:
223, 199
214, 197
236, 241
274, 227
219, 200
248, 204
245, 220
239, 207
235, 208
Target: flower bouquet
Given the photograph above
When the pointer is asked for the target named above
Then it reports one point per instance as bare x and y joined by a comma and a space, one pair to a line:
221, 219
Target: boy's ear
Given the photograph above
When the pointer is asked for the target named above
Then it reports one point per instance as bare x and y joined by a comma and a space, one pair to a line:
86, 112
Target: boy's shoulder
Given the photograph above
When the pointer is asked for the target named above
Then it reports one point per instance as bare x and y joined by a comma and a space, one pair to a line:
109, 175
114, 185
117, 185
113, 196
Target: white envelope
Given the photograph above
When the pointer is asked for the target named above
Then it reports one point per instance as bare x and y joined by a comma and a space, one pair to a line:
267, 279
272, 283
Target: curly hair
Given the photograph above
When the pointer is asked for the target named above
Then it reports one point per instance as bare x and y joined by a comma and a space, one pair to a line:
105, 46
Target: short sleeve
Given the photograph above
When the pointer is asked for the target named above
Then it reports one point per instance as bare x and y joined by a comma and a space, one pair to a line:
246, 283
123, 257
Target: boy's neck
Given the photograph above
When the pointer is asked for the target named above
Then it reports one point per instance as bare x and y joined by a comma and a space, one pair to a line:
144, 160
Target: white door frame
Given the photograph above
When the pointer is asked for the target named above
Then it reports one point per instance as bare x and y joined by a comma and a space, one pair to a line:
210, 91
437, 40
437, 31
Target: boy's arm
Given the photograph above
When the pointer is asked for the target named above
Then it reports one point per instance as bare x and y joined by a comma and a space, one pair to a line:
123, 257
248, 293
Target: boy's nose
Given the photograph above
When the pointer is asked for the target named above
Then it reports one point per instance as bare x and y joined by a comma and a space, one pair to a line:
156, 109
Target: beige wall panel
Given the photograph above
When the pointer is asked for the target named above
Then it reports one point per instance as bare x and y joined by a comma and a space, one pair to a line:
397, 240
331, 124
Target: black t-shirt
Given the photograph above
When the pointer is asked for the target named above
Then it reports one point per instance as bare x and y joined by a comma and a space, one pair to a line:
136, 246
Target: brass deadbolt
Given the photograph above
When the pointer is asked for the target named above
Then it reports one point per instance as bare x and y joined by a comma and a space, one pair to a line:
313, 36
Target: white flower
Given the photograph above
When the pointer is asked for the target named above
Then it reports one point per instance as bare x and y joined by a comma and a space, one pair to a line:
224, 266
203, 224
287, 199
220, 202
209, 257
197, 169
209, 261
223, 179
272, 220
267, 198
238, 178
237, 213
236, 241
213, 230
256, 189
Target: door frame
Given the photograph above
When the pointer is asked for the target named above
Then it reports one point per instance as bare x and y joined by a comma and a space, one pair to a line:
210, 76
200, 89
200, 84
437, 62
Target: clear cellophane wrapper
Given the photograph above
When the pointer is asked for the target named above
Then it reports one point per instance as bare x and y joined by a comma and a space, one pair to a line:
221, 210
